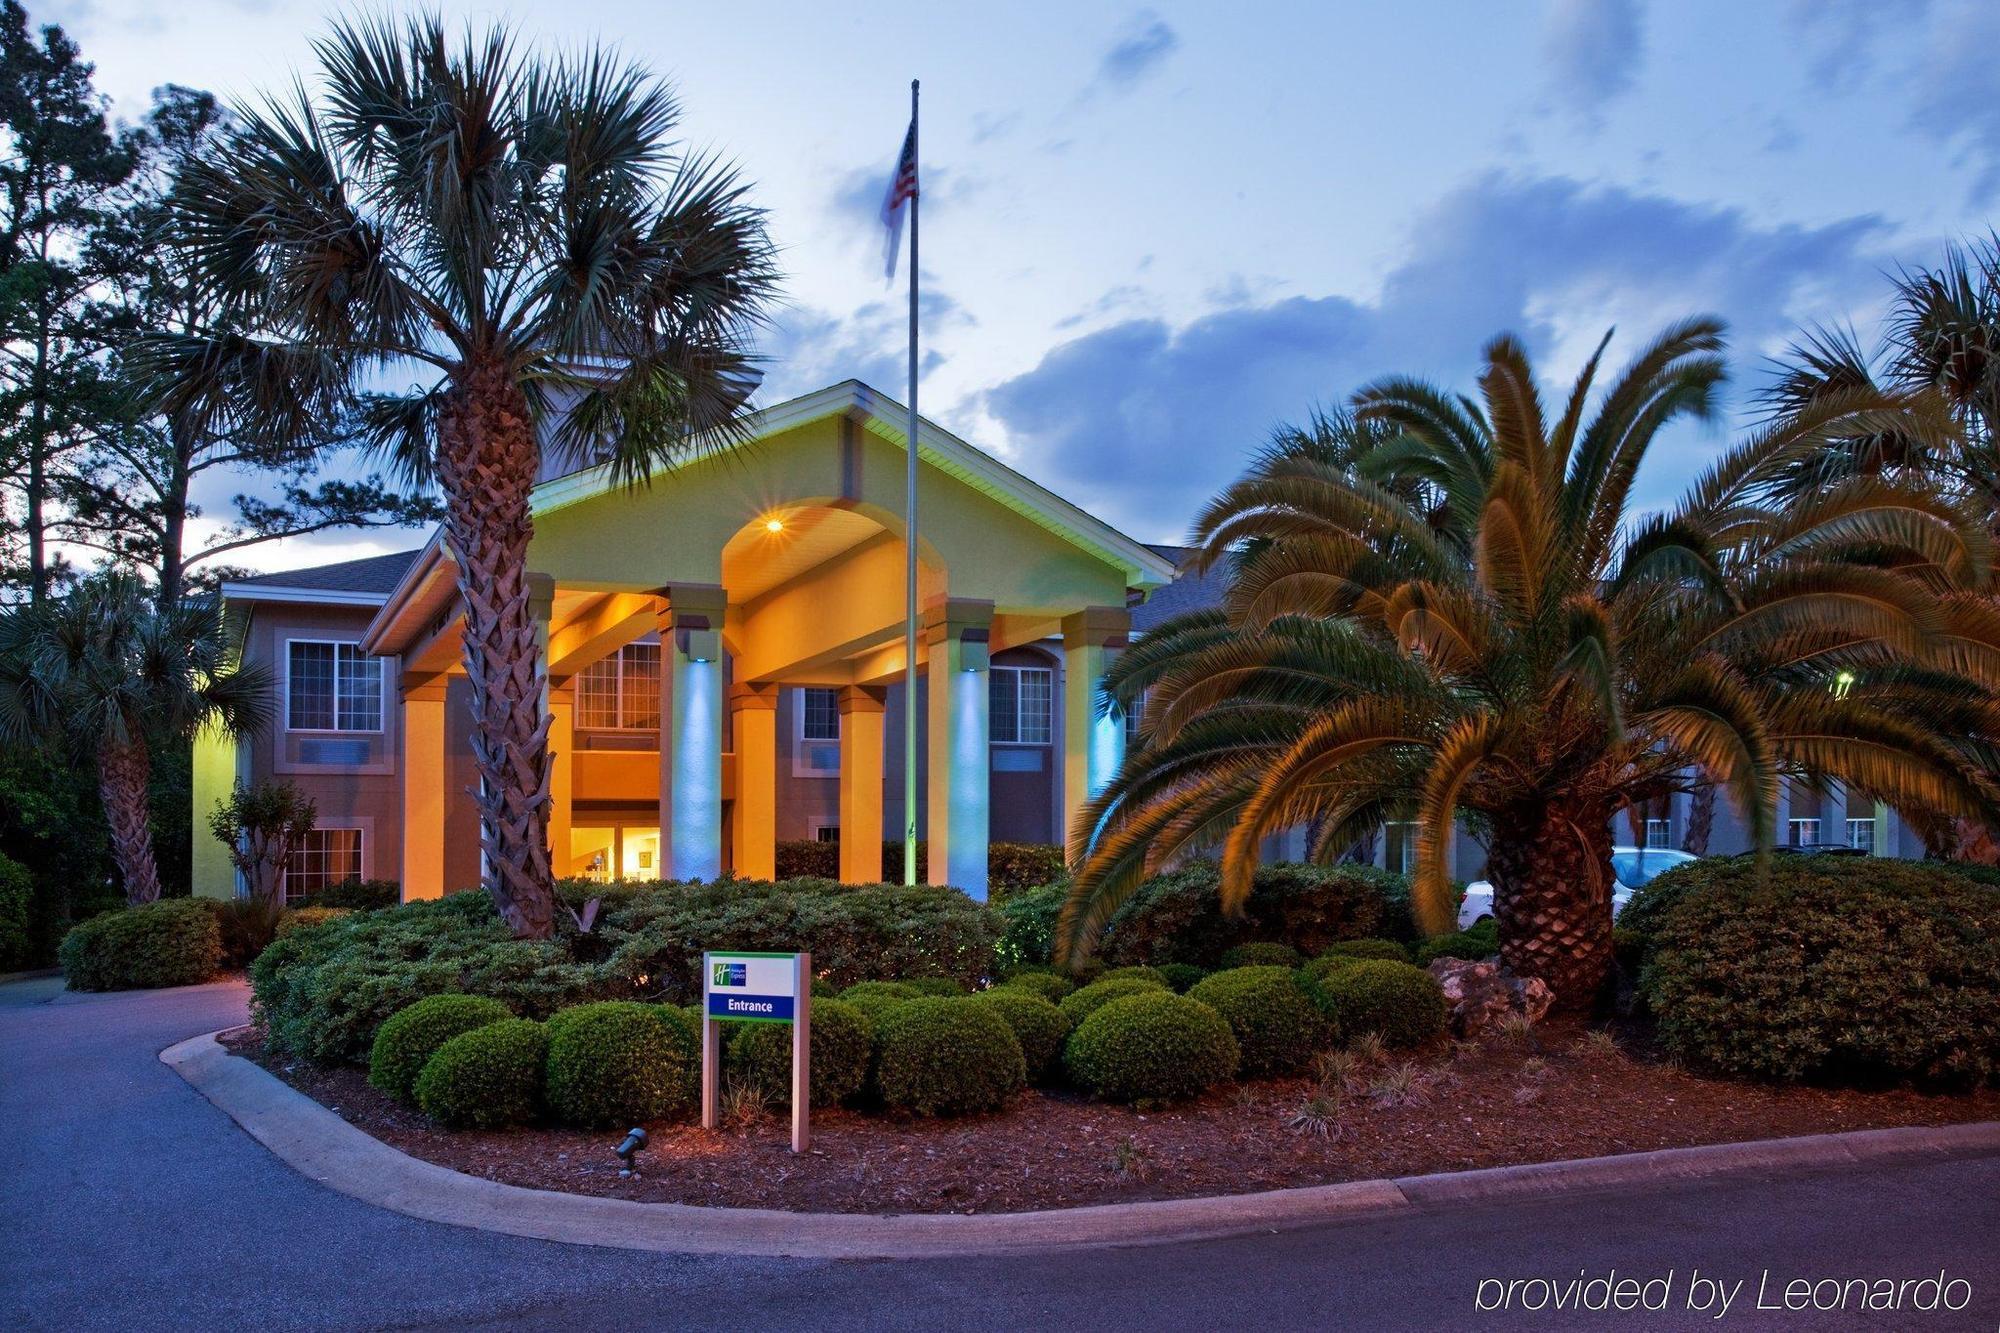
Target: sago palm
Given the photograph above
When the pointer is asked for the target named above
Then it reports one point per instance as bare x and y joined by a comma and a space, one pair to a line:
1462, 618
101, 676
521, 235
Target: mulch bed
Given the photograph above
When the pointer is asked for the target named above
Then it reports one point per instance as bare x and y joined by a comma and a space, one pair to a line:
1495, 1103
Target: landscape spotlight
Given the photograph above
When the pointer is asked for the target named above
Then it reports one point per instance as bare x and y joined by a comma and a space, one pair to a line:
628, 1151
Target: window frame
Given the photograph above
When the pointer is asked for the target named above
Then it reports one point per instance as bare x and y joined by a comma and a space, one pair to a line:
1666, 827
804, 745
360, 832
1793, 823
1393, 836
353, 647
621, 727
1019, 674
1873, 828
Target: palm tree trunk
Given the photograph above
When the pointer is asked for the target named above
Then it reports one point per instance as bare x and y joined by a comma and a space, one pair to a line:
1701, 818
487, 456
123, 770
1550, 866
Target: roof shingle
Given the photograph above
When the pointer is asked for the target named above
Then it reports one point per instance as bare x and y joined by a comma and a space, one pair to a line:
370, 574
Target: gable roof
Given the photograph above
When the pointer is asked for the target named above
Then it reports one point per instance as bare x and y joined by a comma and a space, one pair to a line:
1191, 590
364, 582
883, 416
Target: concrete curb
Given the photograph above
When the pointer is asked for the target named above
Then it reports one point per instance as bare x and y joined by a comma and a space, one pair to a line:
319, 1144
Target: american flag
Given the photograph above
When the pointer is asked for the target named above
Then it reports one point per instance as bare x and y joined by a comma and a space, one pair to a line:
902, 189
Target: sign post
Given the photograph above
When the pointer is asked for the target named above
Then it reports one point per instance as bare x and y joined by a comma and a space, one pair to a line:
757, 988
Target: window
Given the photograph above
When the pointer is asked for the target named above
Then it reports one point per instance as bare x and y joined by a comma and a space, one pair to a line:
826, 833
621, 692
1135, 717
1861, 834
1804, 832
331, 687
323, 858
1659, 833
819, 714
1399, 847
1019, 709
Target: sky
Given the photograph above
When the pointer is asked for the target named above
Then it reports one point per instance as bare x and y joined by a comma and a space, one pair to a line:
1152, 234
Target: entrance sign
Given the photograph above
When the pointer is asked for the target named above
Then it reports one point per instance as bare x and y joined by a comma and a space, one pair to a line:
757, 988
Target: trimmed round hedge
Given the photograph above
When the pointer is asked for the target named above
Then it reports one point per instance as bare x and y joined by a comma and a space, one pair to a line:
488, 1078
1258, 953
1824, 969
1385, 949
1277, 1026
172, 942
1151, 1046
405, 1043
1398, 1002
941, 1056
842, 1038
620, 1062
1083, 1003
876, 998
1180, 977
1475, 945
934, 986
1045, 984
1137, 971
1039, 1026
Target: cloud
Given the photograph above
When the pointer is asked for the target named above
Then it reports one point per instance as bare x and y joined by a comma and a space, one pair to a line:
1844, 37
1141, 421
1591, 49
808, 348
1958, 90
1142, 48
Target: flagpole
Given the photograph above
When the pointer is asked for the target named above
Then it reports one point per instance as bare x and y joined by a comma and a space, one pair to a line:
910, 629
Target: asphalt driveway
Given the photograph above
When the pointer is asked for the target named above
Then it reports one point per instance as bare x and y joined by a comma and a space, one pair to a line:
127, 1201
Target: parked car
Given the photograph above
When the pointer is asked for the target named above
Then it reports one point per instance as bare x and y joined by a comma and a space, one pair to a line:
1630, 867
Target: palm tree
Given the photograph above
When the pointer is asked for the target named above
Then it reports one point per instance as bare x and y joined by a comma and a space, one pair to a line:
1943, 342
521, 234
1463, 618
103, 676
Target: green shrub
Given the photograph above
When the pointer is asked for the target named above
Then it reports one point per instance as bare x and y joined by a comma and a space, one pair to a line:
1138, 971
1320, 968
1277, 1025
358, 895
1388, 949
17, 890
1177, 917
1476, 945
309, 918
935, 986
1038, 1025
1824, 969
1259, 953
1400, 1003
854, 931
876, 998
620, 1062
948, 1057
1028, 924
413, 1035
1045, 984
842, 1039
807, 858
1180, 977
488, 1078
1151, 1046
172, 942
1012, 867
1083, 1003
322, 994
246, 927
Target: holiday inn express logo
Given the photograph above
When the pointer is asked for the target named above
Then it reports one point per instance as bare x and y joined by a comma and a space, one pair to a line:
730, 974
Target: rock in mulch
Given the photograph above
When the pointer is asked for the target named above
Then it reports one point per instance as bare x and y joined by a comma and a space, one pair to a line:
1481, 994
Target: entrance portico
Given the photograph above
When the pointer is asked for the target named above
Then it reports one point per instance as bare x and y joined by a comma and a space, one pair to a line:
684, 619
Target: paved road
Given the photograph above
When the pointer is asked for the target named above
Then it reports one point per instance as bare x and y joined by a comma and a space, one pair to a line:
127, 1201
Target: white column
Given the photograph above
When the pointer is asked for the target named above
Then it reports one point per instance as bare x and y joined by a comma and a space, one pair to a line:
691, 718
957, 633
1093, 745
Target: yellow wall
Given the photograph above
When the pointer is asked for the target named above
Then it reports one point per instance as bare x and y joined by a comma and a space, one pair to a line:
214, 778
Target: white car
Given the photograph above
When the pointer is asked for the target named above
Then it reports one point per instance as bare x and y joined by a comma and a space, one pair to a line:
1630, 867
